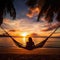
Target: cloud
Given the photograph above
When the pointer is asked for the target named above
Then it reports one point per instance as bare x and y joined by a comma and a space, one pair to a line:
18, 26
52, 26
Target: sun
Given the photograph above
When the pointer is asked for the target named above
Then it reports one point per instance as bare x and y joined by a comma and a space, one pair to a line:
24, 34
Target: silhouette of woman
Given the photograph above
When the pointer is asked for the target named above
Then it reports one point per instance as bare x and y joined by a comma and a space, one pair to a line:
30, 44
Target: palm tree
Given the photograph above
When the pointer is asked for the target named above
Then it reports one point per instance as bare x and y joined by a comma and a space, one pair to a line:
44, 9
7, 5
49, 7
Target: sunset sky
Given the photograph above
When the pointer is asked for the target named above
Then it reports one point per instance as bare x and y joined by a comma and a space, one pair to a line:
23, 24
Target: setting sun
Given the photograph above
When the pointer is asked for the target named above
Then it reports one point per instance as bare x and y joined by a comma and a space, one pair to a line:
24, 34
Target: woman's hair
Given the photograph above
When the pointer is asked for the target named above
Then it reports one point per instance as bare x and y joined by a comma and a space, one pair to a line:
30, 39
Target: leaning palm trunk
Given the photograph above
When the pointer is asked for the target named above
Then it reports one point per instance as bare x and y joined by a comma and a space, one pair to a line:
52, 6
7, 5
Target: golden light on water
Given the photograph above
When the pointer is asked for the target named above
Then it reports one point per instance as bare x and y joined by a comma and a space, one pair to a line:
24, 37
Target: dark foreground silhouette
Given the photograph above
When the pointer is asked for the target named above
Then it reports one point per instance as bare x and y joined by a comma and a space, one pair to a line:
48, 9
7, 6
30, 44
